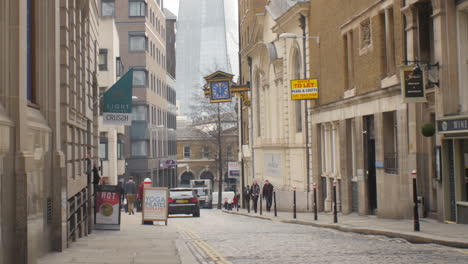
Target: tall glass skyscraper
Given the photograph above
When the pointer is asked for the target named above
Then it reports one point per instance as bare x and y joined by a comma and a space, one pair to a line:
207, 41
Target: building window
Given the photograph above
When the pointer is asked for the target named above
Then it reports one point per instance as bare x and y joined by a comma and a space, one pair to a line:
108, 8
348, 59
365, 31
136, 8
140, 78
462, 16
388, 41
103, 59
31, 91
119, 67
120, 147
140, 148
390, 143
206, 152
138, 42
229, 151
187, 152
140, 113
103, 148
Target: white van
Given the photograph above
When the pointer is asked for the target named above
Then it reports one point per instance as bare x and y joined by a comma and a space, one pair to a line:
228, 195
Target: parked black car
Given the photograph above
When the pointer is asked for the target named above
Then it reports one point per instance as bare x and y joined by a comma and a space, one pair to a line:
184, 201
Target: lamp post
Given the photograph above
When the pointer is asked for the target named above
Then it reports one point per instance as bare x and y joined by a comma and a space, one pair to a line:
304, 37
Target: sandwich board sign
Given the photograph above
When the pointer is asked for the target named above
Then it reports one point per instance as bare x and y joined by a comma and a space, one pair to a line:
107, 207
155, 204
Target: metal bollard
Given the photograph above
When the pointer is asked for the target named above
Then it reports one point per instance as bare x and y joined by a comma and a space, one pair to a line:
335, 213
315, 202
274, 201
415, 202
294, 202
261, 198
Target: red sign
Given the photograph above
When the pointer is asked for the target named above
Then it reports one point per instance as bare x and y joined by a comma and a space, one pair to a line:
107, 209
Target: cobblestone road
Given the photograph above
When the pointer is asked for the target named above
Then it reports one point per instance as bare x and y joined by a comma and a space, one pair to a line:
238, 239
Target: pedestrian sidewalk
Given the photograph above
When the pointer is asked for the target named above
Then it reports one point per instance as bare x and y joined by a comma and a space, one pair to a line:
452, 235
134, 243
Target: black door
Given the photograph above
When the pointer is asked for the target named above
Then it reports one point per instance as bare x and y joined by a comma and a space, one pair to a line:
370, 158
453, 214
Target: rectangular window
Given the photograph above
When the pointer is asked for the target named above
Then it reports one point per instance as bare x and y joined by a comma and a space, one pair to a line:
108, 8
140, 78
103, 59
138, 42
462, 17
206, 152
103, 148
348, 66
120, 147
140, 113
390, 142
119, 67
298, 116
187, 152
388, 40
136, 8
140, 148
31, 92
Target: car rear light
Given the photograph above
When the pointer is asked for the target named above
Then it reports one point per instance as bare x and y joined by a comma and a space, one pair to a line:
194, 200
170, 200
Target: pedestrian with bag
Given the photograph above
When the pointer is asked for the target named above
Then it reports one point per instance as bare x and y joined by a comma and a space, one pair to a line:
254, 193
130, 193
268, 194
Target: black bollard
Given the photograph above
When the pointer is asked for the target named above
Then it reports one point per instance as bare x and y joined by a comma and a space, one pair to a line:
261, 198
248, 205
335, 213
274, 201
415, 202
294, 202
315, 202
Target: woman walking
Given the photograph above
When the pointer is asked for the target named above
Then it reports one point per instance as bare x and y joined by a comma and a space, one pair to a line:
254, 193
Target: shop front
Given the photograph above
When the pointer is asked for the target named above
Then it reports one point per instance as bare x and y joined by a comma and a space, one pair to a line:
454, 165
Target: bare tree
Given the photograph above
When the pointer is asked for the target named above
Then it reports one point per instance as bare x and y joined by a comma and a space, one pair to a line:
213, 119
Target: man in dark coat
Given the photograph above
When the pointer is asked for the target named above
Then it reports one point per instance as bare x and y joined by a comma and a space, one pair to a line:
254, 194
268, 194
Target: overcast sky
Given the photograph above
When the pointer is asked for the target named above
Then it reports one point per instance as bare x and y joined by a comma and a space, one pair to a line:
172, 5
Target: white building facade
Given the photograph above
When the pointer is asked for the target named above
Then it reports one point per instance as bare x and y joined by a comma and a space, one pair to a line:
277, 142
111, 137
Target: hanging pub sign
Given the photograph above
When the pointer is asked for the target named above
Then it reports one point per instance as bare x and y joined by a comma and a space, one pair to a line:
304, 89
107, 207
117, 108
413, 86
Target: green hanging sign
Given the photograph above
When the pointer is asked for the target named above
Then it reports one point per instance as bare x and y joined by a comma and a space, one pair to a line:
118, 102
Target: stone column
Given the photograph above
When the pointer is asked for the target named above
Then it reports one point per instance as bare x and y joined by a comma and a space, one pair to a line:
363, 207
346, 166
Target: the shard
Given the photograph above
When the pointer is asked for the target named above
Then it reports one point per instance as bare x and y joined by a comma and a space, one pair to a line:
207, 41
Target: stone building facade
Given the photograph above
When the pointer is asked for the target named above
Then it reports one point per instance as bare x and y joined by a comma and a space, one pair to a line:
276, 124
196, 156
48, 124
450, 49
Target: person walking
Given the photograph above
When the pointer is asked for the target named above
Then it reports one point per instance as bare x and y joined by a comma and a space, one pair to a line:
130, 192
268, 194
254, 193
247, 197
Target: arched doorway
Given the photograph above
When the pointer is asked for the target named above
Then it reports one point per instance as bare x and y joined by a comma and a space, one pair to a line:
185, 178
207, 175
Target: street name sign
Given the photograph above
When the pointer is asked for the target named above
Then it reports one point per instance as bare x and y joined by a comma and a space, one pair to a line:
304, 89
118, 102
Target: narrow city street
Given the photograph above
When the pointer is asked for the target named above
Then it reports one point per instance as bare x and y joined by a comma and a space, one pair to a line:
240, 239
221, 238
